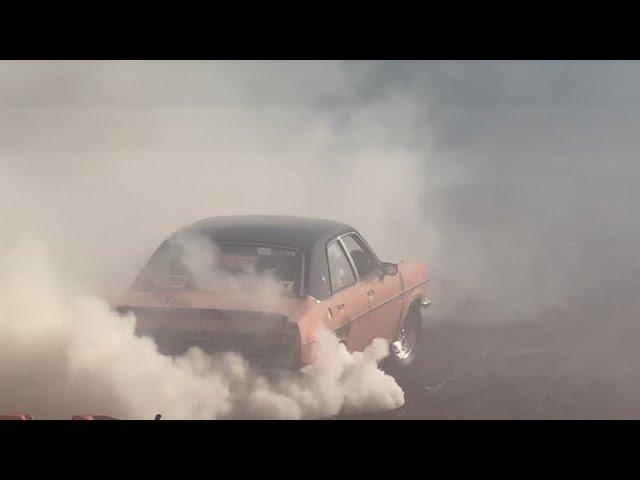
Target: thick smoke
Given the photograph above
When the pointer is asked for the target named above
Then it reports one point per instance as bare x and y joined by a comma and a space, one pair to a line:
515, 180
200, 267
100, 161
65, 353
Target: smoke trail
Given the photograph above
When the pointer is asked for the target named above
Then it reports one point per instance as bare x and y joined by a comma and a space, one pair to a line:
63, 353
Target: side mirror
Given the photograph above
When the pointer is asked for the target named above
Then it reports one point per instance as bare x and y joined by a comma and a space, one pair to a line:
389, 268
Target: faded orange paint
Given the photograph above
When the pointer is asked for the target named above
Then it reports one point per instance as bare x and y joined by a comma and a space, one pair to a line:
374, 307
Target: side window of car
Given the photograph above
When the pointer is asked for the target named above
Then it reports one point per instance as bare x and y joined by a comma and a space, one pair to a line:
364, 260
342, 275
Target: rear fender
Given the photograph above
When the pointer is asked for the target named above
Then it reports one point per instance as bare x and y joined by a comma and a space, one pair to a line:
415, 280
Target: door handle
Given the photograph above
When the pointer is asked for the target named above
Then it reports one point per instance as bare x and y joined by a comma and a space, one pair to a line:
340, 307
370, 292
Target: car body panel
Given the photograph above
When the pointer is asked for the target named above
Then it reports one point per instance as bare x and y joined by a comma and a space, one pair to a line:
374, 306
362, 322
416, 281
381, 315
205, 300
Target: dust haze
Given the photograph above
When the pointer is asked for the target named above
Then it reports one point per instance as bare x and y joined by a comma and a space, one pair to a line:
516, 181
65, 353
111, 157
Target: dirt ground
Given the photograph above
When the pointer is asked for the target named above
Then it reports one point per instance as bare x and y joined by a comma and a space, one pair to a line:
579, 360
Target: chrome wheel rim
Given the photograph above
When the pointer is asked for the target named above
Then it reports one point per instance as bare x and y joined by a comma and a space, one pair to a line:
405, 345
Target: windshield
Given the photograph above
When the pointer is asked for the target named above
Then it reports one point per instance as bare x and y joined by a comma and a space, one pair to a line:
204, 266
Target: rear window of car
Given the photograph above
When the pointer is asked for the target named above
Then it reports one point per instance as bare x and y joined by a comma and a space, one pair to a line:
220, 267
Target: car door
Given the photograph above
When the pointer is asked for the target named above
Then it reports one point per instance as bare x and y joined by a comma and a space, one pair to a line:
347, 301
380, 293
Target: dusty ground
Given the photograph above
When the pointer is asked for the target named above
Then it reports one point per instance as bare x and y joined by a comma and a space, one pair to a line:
580, 359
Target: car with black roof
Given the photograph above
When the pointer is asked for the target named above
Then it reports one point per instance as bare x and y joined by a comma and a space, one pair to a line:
265, 286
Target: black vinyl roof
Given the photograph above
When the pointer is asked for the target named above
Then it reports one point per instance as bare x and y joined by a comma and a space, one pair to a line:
299, 232
310, 235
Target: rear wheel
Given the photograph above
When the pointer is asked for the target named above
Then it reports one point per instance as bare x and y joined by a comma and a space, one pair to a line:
405, 349
405, 346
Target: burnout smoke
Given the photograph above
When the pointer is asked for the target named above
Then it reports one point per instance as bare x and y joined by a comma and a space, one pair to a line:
195, 262
513, 180
63, 353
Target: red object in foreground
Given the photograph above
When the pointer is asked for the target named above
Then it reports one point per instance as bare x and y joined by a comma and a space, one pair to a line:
92, 417
16, 416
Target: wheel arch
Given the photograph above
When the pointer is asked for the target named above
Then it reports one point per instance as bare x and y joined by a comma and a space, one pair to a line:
413, 304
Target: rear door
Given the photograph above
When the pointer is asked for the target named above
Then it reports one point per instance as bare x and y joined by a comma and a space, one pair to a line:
347, 301
380, 294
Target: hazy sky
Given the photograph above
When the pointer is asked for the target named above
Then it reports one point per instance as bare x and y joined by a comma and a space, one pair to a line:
498, 173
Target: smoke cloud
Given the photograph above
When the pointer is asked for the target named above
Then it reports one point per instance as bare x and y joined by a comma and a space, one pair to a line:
514, 180
100, 161
64, 353
111, 157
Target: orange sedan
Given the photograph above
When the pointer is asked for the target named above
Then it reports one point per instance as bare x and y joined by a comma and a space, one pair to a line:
265, 285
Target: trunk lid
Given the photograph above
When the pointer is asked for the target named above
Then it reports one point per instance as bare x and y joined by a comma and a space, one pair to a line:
176, 321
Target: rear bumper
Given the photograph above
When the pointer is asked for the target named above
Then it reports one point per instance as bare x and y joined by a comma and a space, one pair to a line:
265, 351
261, 338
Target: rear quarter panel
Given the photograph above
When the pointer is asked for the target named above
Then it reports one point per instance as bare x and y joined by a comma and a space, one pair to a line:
415, 278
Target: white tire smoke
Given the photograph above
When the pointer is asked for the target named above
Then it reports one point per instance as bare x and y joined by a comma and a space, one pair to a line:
62, 353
